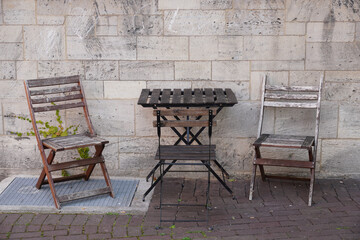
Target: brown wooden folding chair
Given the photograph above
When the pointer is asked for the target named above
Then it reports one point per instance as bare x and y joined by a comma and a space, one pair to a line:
288, 97
65, 92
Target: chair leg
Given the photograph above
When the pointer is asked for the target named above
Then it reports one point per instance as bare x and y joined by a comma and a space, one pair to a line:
252, 183
161, 189
107, 178
208, 197
262, 171
41, 178
312, 180
98, 152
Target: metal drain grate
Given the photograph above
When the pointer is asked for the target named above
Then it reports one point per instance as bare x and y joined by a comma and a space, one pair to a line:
22, 191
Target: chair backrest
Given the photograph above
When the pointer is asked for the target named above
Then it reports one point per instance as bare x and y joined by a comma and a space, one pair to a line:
58, 93
291, 97
193, 118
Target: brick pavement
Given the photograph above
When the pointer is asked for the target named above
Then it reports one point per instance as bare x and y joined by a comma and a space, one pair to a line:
278, 211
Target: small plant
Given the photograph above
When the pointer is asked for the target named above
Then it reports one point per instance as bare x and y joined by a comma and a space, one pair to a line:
46, 129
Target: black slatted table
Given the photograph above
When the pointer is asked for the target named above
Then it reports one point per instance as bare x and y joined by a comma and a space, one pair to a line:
189, 98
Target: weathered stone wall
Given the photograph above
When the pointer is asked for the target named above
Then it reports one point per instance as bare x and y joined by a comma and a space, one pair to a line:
120, 47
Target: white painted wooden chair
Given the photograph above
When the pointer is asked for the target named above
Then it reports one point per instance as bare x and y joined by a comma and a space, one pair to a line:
287, 97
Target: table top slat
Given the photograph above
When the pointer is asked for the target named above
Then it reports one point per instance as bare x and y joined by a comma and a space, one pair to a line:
188, 96
165, 97
220, 96
144, 96
198, 96
155, 96
176, 99
230, 96
209, 96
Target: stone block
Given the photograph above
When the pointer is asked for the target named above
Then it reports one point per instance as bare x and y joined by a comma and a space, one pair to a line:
274, 78
230, 70
330, 32
44, 42
241, 89
233, 123
255, 22
50, 20
135, 164
111, 155
48, 69
349, 121
295, 28
175, 4
11, 51
302, 121
1, 13
143, 122
259, 4
123, 89
216, 4
342, 76
342, 92
19, 153
234, 154
26, 70
11, 34
59, 7
162, 48
7, 70
93, 89
192, 70
19, 12
322, 11
194, 22
274, 48
112, 117
305, 78
340, 157
357, 37
141, 25
12, 89
145, 70
277, 65
115, 7
216, 48
101, 70
1, 121
82, 26
131, 144
107, 26
168, 84
106, 48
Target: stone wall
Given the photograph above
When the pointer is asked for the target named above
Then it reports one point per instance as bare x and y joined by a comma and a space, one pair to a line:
119, 47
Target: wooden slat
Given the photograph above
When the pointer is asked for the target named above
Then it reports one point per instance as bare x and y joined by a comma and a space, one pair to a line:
220, 96
53, 81
84, 194
290, 104
64, 179
184, 123
230, 96
155, 95
287, 137
72, 141
183, 112
209, 96
58, 107
165, 96
56, 99
187, 96
284, 163
76, 163
187, 152
144, 96
309, 141
291, 96
176, 99
261, 139
198, 96
292, 88
180, 148
55, 90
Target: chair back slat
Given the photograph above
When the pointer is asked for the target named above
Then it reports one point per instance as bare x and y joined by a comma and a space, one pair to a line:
54, 90
290, 104
292, 88
56, 99
291, 96
58, 107
52, 81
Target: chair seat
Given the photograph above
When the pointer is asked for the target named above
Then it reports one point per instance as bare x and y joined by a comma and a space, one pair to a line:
72, 141
287, 141
187, 152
